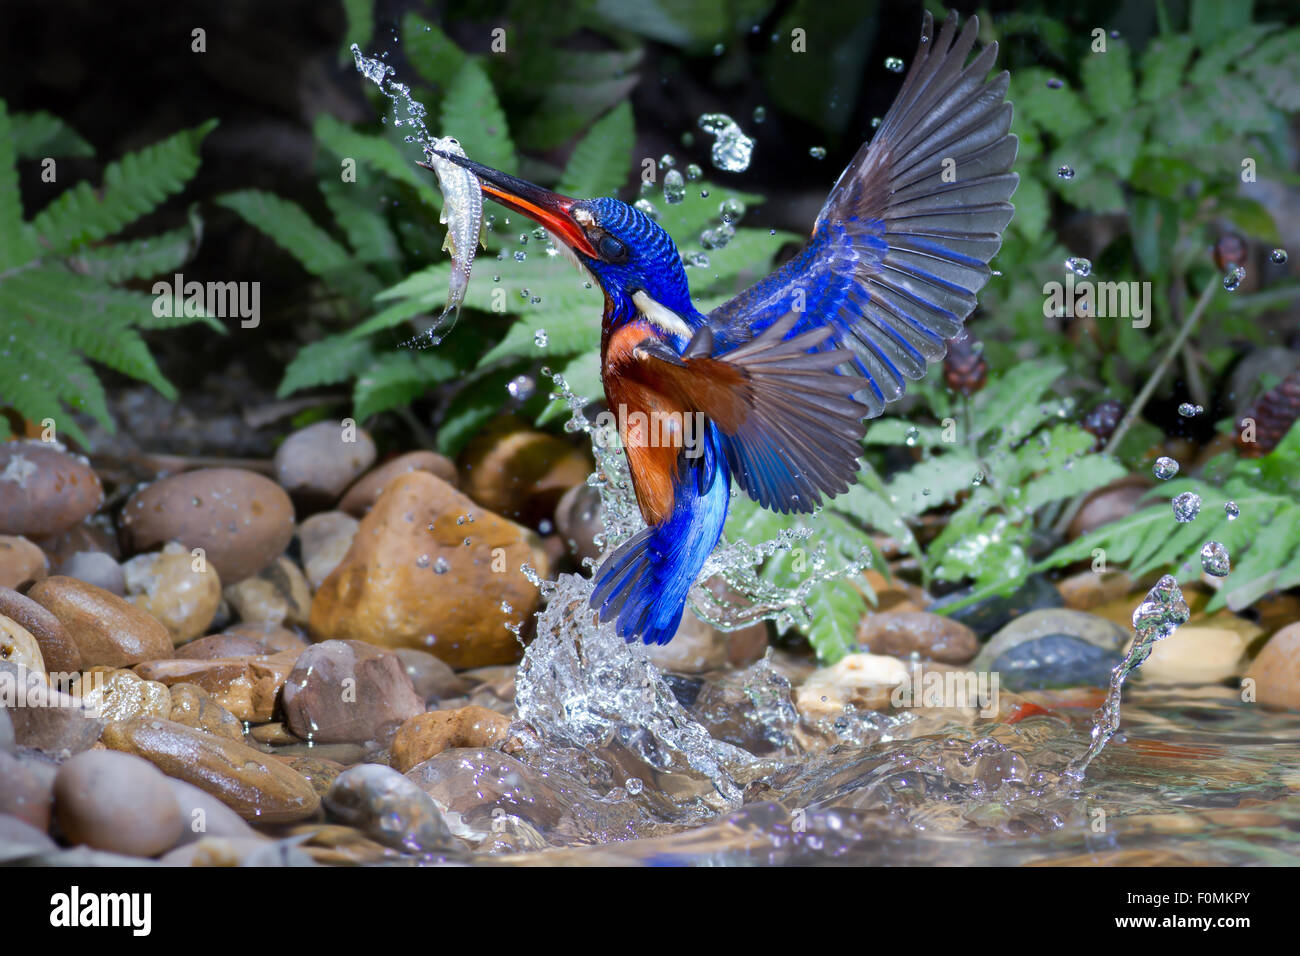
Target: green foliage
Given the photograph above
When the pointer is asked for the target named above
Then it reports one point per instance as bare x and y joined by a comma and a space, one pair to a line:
61, 304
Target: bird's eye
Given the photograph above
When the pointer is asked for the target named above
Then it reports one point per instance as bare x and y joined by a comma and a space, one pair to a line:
611, 248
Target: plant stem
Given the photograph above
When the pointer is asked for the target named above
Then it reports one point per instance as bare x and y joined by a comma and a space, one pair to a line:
1135, 410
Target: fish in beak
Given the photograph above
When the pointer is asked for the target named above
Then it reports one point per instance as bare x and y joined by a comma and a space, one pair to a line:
551, 210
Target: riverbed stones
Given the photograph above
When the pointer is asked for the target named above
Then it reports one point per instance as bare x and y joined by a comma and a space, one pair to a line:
278, 594
430, 569
520, 473
19, 647
1195, 655
116, 802
246, 686
863, 681
324, 540
1090, 589
1054, 647
425, 735
388, 808
362, 496
20, 561
58, 650
347, 691
480, 784
987, 616
176, 588
25, 792
107, 630
241, 520
44, 490
255, 786
933, 636
1276, 670
220, 645
432, 677
204, 816
1119, 499
579, 518
316, 463
97, 568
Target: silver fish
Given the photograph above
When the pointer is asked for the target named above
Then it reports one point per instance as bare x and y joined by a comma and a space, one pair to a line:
462, 214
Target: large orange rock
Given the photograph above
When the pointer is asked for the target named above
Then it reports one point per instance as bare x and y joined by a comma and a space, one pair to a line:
431, 569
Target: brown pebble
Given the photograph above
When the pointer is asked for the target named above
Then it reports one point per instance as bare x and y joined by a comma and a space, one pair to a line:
21, 562
427, 734
43, 489
195, 707
106, 629
362, 495
933, 636
58, 650
116, 802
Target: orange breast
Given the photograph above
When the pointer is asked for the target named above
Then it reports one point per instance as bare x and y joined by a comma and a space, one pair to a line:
642, 412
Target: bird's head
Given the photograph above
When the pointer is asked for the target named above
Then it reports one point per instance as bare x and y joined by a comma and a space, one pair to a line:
631, 257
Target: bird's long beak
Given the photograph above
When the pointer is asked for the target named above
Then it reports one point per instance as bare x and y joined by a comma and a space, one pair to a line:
541, 205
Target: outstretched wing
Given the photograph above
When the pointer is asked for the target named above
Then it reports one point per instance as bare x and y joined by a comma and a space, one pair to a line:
904, 240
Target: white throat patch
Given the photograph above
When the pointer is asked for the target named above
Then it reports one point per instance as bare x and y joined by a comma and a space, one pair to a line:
564, 252
658, 314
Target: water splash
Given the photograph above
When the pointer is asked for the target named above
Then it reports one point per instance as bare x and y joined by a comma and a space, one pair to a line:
732, 149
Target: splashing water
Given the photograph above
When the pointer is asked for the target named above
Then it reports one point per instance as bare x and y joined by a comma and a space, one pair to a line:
1186, 506
674, 187
1165, 468
732, 149
1079, 266
1215, 560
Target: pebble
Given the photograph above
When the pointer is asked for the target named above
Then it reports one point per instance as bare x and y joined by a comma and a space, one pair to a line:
425, 735
107, 630
579, 517
388, 590
58, 650
520, 473
1089, 589
19, 647
323, 540
347, 691
697, 647
175, 589
933, 636
361, 497
864, 681
123, 694
315, 464
220, 645
274, 734
97, 568
1107, 504
432, 678
25, 792
1195, 655
241, 520
20, 840
57, 723
20, 561
1276, 670
194, 707
97, 533
255, 786
204, 816
1089, 628
248, 687
278, 594
1054, 660
116, 802
272, 638
44, 490
320, 772
389, 809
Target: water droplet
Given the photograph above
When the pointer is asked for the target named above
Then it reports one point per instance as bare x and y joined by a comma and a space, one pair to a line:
545, 526
1054, 84
717, 238
697, 259
732, 210
1277, 255
1231, 510
913, 433
422, 561
1165, 468
760, 114
732, 149
693, 172
441, 566
1187, 506
1065, 172
875, 122
541, 339
633, 785
520, 256
893, 64
1079, 266
1188, 410
647, 207
521, 387
1232, 278
674, 187
1214, 559
667, 161
719, 49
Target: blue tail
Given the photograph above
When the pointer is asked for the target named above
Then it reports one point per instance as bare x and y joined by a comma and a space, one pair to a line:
643, 585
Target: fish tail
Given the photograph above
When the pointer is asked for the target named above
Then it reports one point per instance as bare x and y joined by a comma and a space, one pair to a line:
643, 585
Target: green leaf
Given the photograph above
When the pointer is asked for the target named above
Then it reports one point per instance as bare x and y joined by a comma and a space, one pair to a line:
16, 244
1162, 67
1031, 208
40, 135
1108, 80
133, 186
397, 379
430, 51
291, 229
471, 113
139, 258
836, 607
601, 161
377, 153
328, 361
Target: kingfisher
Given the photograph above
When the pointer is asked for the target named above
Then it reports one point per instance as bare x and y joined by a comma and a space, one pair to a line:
783, 375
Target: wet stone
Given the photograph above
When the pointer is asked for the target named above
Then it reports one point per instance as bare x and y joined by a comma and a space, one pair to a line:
97, 568
315, 464
122, 695
362, 495
51, 721
44, 490
107, 630
988, 616
1276, 670
194, 707
388, 808
245, 686
320, 772
861, 681
25, 792
255, 786
204, 816
432, 678
933, 636
348, 691
175, 588
241, 520
1053, 660
324, 540
19, 647
19, 840
426, 735
472, 783
1195, 654
520, 473
20, 561
278, 594
116, 802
